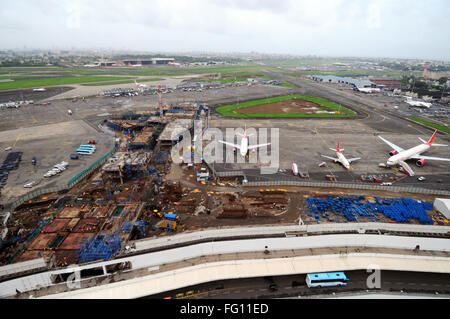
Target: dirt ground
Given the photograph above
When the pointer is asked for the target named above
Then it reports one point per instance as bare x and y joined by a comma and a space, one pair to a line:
288, 107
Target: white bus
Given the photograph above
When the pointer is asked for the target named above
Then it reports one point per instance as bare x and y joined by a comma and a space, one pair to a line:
84, 152
326, 279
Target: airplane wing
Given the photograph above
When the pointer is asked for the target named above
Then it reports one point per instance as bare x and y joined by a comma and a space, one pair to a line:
331, 158
430, 158
395, 147
250, 147
406, 167
231, 144
353, 159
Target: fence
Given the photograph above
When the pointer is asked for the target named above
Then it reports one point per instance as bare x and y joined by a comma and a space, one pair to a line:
54, 189
395, 189
89, 170
36, 193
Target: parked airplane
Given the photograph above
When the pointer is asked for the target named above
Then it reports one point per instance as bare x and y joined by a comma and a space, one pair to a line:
244, 147
341, 158
399, 155
366, 90
411, 102
294, 169
140, 85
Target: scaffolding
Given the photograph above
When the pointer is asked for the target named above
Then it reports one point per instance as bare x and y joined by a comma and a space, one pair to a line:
100, 248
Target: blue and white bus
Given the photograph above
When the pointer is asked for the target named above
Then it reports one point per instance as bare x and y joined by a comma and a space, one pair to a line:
85, 152
86, 148
91, 147
326, 279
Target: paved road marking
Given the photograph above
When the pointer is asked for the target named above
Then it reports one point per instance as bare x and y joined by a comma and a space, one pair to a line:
17, 139
32, 116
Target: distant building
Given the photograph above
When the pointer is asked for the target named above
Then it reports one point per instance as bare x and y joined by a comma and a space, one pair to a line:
152, 61
99, 64
391, 83
342, 80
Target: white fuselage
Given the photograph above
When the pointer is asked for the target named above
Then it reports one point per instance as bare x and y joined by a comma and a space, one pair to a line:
343, 160
419, 104
294, 169
407, 154
369, 90
244, 146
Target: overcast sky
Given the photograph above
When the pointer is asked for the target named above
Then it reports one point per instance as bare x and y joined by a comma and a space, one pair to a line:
377, 28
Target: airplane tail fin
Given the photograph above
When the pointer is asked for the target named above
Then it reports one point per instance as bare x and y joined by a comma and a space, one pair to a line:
430, 142
338, 150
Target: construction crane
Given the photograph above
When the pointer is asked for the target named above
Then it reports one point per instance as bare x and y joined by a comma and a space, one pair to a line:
160, 105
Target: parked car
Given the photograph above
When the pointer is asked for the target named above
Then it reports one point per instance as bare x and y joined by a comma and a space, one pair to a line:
92, 142
29, 185
421, 178
74, 156
33, 160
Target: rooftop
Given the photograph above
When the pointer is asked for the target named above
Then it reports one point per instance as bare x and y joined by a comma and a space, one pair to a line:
174, 129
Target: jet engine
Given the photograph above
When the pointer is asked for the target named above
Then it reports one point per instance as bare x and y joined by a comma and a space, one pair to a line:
392, 153
420, 163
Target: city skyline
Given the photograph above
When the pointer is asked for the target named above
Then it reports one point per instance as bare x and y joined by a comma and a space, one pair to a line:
374, 29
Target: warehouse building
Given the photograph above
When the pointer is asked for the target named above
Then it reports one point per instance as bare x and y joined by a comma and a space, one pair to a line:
389, 83
341, 80
152, 61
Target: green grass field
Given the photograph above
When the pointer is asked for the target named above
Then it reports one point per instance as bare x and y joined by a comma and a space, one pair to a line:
353, 72
122, 82
57, 81
229, 110
287, 85
237, 77
441, 128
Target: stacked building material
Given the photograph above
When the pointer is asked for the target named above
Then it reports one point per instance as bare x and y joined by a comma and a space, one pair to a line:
100, 248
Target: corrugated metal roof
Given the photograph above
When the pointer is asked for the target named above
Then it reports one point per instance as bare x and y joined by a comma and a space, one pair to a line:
339, 78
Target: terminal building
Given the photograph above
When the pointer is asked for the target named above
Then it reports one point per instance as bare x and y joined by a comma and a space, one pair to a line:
342, 80
152, 61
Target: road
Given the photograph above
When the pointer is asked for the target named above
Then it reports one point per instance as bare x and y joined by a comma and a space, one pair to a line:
293, 286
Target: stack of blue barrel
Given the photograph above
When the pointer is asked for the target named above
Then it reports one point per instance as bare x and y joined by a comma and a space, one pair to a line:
401, 210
